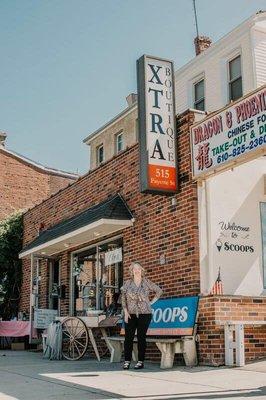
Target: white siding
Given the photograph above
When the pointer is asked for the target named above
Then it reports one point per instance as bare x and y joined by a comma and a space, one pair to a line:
213, 64
259, 41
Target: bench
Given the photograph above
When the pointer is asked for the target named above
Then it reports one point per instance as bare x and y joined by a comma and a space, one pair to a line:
173, 329
234, 339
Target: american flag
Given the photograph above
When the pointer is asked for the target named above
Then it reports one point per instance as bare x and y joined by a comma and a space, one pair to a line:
218, 285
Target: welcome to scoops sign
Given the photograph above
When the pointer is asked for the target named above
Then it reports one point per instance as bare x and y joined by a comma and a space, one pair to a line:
230, 136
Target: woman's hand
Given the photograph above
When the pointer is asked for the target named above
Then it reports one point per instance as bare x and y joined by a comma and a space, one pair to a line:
126, 316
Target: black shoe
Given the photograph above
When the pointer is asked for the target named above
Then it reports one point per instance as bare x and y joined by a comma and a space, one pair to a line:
126, 365
139, 365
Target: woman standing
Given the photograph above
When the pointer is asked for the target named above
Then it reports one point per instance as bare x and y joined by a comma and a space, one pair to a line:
137, 311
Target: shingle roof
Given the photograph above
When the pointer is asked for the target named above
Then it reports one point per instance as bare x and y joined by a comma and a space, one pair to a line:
112, 208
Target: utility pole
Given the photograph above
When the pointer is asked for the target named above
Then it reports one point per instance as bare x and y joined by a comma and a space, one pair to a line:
196, 17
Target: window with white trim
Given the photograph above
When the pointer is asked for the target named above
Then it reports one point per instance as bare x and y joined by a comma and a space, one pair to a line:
235, 79
119, 142
199, 95
100, 154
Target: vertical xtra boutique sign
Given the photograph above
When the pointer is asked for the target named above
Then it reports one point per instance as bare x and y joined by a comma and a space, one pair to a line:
157, 125
235, 133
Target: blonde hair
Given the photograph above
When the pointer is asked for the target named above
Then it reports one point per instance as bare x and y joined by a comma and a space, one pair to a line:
132, 265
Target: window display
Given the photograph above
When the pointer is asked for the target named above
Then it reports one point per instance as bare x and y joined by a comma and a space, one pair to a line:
97, 277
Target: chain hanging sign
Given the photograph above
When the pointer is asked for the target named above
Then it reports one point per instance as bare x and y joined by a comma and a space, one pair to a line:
157, 125
113, 256
231, 136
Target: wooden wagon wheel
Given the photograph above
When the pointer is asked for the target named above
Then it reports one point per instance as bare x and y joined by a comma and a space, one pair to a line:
75, 338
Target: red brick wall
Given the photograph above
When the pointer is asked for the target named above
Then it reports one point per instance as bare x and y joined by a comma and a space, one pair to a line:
159, 229
25, 287
214, 310
22, 186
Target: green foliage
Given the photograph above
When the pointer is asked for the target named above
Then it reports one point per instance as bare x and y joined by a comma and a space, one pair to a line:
11, 233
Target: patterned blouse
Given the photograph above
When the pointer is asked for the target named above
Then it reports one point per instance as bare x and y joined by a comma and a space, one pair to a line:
136, 298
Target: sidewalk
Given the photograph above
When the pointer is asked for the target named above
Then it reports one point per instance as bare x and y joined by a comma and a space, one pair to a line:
26, 376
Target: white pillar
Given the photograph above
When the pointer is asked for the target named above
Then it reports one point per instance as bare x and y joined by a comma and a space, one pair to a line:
208, 233
31, 295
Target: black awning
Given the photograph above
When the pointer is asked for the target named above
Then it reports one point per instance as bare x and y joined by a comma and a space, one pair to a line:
113, 209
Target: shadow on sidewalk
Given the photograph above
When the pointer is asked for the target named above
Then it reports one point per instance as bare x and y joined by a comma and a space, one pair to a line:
215, 395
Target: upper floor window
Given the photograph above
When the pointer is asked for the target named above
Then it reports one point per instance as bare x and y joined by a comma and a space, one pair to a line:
199, 96
100, 154
119, 142
235, 79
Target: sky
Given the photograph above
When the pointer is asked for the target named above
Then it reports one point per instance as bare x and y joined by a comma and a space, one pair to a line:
67, 65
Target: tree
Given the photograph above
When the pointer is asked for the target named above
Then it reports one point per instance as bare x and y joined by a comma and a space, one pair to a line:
11, 234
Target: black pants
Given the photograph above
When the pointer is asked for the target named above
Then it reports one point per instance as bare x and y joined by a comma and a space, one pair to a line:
141, 323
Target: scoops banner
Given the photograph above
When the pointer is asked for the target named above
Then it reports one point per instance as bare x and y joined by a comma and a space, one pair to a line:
236, 133
157, 125
174, 316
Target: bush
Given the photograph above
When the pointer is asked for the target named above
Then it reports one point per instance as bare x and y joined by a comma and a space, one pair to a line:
11, 234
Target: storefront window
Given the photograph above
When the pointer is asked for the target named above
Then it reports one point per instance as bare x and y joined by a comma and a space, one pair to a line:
97, 277
263, 234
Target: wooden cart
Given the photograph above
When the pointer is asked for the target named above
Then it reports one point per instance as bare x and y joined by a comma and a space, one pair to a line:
77, 332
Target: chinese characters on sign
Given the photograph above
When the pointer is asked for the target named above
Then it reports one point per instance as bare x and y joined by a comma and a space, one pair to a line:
157, 127
237, 131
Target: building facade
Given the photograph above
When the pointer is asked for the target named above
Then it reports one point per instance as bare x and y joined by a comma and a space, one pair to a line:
175, 237
24, 183
115, 136
225, 70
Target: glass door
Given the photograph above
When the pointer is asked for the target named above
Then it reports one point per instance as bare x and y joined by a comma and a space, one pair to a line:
110, 274
84, 271
54, 285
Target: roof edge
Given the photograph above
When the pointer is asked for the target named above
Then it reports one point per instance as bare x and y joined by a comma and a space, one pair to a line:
74, 217
110, 122
43, 168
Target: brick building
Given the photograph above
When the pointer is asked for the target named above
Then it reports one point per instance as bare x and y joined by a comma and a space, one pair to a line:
104, 210
158, 229
24, 183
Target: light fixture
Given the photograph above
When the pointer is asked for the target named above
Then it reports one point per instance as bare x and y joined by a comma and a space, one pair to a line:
174, 202
66, 245
43, 252
96, 233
